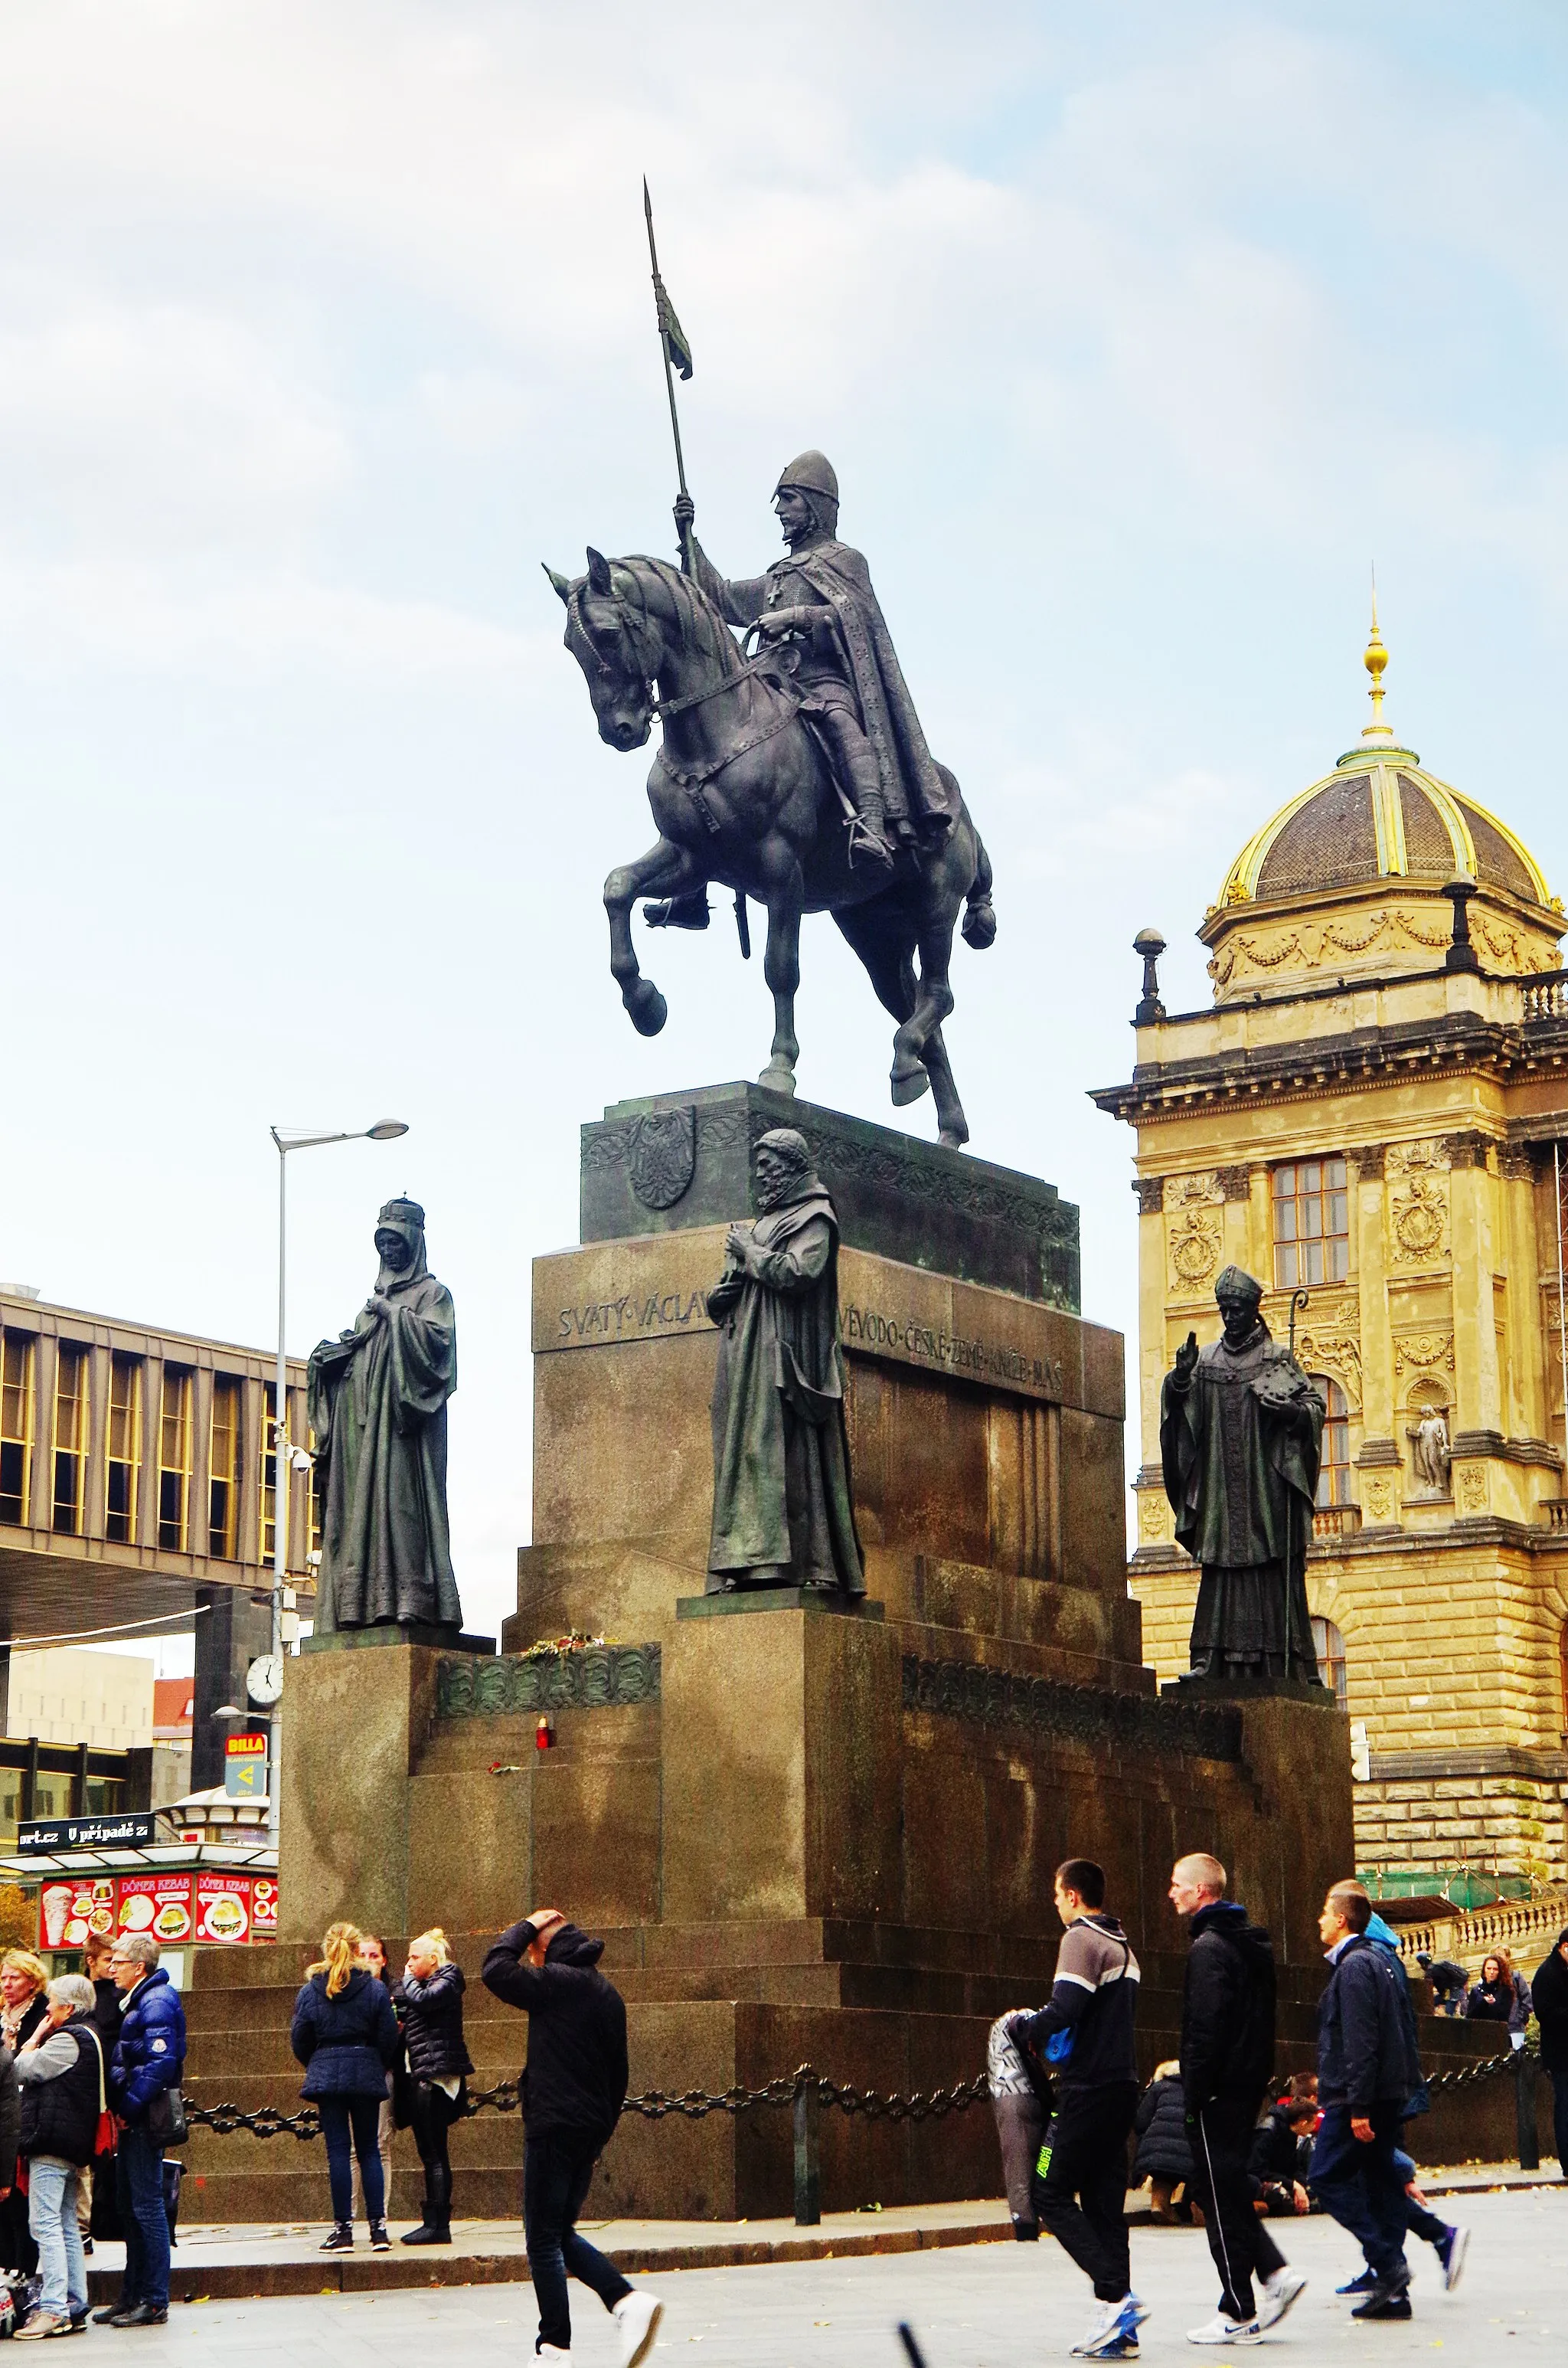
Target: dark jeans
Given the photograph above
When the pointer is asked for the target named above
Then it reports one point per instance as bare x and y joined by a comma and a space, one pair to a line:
348, 2125
1084, 2157
1560, 2117
556, 2174
139, 2189
1221, 2142
1361, 2186
430, 2115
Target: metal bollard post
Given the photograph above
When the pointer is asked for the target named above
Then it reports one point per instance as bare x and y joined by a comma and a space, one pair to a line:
807, 2179
1524, 2110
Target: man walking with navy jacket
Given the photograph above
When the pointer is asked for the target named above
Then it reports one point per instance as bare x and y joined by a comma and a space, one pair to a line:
1227, 2054
1367, 2070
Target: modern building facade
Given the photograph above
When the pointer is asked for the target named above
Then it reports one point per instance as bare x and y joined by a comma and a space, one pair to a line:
1372, 1118
136, 1481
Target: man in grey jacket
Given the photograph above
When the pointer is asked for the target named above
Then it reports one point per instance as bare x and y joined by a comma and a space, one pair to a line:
1083, 2037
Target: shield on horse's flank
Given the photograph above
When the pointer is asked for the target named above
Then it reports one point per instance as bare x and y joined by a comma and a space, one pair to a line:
663, 1156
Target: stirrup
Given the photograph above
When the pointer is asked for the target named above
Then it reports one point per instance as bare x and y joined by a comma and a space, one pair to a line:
870, 841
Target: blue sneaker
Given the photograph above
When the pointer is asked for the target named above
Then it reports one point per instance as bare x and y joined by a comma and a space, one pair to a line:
1361, 2285
1451, 2251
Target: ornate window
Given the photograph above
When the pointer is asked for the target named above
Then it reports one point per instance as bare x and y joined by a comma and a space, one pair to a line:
223, 1485
1329, 1647
124, 1448
1333, 1471
70, 1437
1311, 1222
16, 1426
173, 1461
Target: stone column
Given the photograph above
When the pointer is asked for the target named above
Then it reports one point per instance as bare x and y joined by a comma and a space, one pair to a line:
1153, 1514
1377, 1416
1473, 1251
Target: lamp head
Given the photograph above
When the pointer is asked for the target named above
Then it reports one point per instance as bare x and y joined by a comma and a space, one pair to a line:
385, 1128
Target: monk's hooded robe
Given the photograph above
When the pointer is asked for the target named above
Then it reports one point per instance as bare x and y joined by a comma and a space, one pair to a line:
782, 1512
1240, 1447
378, 1409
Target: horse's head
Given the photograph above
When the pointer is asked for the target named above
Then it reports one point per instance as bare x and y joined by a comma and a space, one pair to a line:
614, 640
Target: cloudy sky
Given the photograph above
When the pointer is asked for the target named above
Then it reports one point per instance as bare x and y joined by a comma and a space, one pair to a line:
1136, 334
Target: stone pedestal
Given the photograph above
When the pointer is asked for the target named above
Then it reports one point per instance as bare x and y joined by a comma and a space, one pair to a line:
806, 1832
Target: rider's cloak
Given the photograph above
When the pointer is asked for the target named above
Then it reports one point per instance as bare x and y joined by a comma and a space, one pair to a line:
781, 1501
378, 1408
834, 575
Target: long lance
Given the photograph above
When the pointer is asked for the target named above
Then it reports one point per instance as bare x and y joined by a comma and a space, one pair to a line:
661, 304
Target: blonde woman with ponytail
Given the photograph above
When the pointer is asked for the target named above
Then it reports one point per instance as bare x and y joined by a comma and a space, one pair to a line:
429, 2002
345, 2035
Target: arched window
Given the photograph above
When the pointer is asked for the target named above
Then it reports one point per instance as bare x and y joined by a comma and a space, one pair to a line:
1333, 1471
1329, 1647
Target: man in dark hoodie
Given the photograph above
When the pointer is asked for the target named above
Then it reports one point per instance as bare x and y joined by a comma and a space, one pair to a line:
1227, 2052
1083, 2035
1367, 2070
573, 2086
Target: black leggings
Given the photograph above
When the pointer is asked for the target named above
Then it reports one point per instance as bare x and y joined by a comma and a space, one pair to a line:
431, 2115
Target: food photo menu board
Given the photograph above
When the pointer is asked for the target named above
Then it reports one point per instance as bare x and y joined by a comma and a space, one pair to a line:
173, 1904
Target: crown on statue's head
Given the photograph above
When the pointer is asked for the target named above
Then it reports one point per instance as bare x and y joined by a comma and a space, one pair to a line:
402, 1212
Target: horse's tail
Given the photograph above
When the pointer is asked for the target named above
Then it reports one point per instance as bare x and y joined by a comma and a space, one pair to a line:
979, 914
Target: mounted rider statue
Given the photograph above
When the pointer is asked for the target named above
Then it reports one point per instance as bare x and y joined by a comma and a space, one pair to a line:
818, 610
797, 779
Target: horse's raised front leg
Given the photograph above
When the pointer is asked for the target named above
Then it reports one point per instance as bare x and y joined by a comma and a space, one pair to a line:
665, 871
781, 968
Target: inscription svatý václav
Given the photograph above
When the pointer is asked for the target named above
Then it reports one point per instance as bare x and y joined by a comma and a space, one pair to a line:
643, 1316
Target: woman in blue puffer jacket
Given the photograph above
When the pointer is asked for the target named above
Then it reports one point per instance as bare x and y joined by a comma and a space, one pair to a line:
345, 2035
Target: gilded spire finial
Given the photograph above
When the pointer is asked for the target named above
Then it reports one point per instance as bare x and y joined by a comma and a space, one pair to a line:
1375, 660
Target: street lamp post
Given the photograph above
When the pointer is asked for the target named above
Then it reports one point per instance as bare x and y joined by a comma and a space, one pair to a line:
288, 1139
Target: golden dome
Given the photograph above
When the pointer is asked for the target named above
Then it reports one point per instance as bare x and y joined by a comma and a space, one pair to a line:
1382, 835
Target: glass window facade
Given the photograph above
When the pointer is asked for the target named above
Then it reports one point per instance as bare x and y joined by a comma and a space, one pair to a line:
71, 1438
16, 1426
1312, 1223
173, 1461
223, 1485
268, 1468
124, 1449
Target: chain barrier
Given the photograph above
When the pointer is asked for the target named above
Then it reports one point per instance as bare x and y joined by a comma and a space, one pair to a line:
694, 2104
653, 2105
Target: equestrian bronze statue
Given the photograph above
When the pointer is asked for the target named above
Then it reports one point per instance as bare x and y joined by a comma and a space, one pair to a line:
795, 774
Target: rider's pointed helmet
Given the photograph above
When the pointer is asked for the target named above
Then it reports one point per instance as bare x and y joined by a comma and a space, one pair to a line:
809, 472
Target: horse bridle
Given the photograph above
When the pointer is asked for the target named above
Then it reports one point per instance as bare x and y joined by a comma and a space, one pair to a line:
665, 708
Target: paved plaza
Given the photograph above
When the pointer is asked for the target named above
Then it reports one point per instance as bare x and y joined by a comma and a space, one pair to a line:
974, 2306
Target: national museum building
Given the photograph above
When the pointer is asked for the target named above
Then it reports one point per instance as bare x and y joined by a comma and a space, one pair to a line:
1372, 1118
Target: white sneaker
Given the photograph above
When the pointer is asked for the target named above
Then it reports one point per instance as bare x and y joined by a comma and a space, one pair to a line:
553, 2351
1221, 2329
1105, 2318
1117, 2337
637, 2315
1279, 2292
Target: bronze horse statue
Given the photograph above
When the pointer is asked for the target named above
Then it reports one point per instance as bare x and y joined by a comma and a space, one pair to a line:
744, 795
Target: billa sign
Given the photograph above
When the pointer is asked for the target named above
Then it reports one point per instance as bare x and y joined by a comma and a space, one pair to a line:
245, 1768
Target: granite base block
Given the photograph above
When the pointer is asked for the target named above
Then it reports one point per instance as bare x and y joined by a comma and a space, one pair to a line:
359, 1640
776, 1599
1218, 1689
